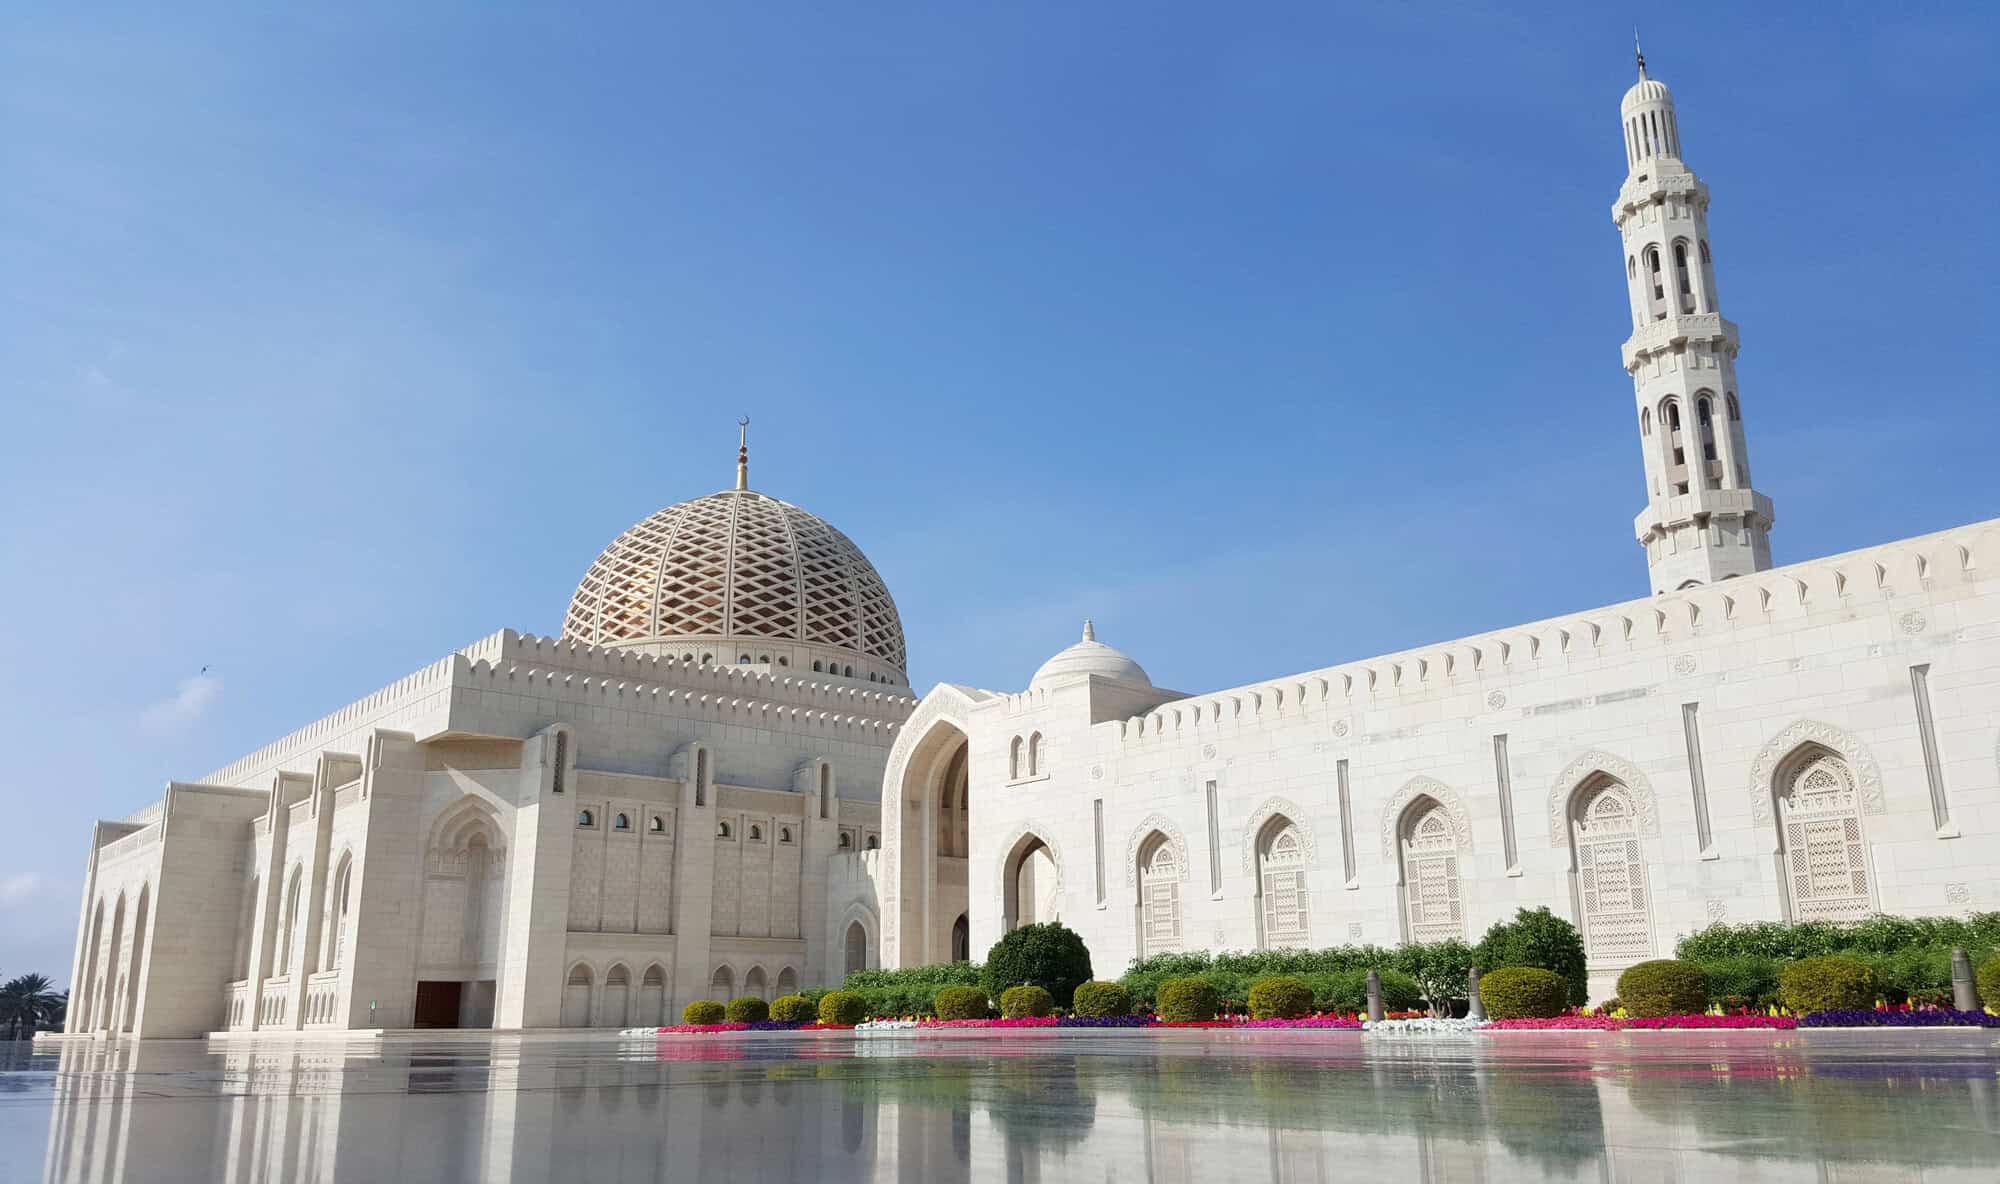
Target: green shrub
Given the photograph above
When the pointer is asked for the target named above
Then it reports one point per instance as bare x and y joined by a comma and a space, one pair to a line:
1098, 998
1347, 991
1188, 1000
703, 1011
1047, 955
1742, 980
794, 1009
1987, 979
1538, 938
748, 1009
844, 1008
1830, 983
1283, 998
909, 991
1523, 992
1024, 1001
1663, 986
960, 1003
1439, 968
1232, 973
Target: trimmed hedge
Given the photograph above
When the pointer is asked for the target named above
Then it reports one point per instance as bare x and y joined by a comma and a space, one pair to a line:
1048, 955
703, 1011
911, 991
1188, 1001
1540, 939
844, 1008
793, 1009
1742, 980
960, 1003
1987, 977
1101, 999
1812, 939
1024, 1001
1664, 986
1524, 993
1831, 983
748, 1009
1281, 998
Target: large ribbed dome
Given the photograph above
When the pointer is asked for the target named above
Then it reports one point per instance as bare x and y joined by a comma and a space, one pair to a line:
761, 579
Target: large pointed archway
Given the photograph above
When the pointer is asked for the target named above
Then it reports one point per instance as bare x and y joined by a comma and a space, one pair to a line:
925, 800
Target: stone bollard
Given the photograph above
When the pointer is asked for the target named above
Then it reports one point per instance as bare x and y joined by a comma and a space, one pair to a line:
1374, 998
1475, 1006
1964, 991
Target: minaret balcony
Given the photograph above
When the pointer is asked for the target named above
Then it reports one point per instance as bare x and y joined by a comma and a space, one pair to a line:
1664, 333
1670, 177
1665, 514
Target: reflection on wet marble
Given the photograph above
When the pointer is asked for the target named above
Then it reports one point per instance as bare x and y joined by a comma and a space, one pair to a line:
1092, 1106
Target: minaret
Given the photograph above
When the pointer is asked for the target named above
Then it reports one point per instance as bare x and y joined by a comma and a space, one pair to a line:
1703, 522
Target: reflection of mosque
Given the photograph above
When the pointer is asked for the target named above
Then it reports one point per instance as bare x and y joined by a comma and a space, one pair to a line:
513, 1109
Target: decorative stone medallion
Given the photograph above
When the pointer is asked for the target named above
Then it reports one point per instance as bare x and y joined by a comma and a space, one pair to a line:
1097, 772
1686, 664
1208, 752
1496, 700
1913, 622
1957, 893
1717, 908
1340, 727
1354, 931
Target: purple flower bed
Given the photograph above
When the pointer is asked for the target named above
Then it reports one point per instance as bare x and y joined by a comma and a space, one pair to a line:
1941, 1017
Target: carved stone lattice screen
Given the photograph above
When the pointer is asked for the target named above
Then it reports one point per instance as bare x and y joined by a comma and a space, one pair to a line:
1287, 907
1160, 899
1611, 878
1431, 879
1825, 857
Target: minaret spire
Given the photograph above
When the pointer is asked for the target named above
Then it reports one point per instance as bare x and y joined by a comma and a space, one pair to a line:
743, 453
1704, 521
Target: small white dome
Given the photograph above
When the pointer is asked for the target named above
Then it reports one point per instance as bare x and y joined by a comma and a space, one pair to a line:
1646, 90
1090, 656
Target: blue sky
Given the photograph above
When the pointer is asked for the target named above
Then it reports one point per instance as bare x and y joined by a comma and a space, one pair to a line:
1270, 337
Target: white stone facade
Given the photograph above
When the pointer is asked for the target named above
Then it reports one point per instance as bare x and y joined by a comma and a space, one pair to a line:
717, 783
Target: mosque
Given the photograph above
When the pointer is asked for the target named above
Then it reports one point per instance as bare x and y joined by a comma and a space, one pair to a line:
717, 781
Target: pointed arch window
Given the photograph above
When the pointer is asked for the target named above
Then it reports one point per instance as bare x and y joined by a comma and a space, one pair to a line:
1284, 903
1159, 896
1611, 895
1433, 908
1819, 826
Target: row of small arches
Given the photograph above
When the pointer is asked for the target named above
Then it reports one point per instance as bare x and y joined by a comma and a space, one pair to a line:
820, 665
587, 820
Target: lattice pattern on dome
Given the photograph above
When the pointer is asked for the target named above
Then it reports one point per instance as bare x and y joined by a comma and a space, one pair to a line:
737, 564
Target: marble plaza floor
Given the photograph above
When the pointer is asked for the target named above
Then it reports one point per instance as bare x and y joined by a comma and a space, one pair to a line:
1085, 1105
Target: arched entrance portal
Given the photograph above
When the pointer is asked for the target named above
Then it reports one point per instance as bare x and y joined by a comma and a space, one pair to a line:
926, 837
1031, 885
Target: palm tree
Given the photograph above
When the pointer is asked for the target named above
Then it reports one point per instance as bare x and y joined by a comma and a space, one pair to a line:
27, 1003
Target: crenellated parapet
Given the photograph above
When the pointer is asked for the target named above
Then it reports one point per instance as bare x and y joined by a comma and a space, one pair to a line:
603, 664
1657, 626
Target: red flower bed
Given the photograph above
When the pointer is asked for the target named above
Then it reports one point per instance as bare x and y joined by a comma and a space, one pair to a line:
1662, 1023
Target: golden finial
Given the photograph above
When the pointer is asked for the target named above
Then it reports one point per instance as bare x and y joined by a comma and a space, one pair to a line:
743, 453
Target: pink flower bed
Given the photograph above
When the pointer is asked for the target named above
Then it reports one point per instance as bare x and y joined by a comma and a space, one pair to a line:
1026, 1021
1605, 1023
707, 1029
